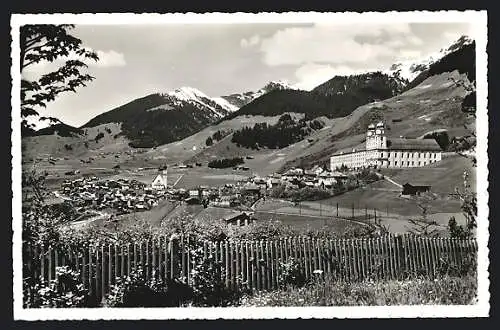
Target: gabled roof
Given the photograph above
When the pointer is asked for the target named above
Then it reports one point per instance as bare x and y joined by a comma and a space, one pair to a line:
251, 186
419, 184
413, 144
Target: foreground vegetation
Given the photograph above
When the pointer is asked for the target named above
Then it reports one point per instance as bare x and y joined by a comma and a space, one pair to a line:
445, 290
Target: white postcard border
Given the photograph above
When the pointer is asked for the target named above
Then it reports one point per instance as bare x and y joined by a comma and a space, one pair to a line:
481, 309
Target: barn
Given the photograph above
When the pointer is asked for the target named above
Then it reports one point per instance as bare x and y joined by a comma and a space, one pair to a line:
415, 189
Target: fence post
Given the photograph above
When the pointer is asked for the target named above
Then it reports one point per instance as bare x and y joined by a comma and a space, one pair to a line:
353, 210
375, 212
337, 210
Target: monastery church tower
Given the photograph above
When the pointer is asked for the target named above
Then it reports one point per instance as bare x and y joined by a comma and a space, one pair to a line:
375, 137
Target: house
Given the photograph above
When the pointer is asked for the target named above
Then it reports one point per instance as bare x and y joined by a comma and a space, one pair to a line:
293, 173
260, 182
309, 174
238, 218
317, 169
417, 189
273, 182
338, 176
194, 193
160, 181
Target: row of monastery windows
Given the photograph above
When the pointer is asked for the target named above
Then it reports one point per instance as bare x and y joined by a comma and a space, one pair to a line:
413, 155
412, 163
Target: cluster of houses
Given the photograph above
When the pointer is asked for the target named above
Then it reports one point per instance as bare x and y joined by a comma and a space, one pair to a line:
125, 196
315, 177
246, 192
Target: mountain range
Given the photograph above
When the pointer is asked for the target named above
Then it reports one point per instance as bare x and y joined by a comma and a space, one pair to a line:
162, 118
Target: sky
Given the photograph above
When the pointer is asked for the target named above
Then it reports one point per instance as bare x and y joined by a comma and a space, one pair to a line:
221, 59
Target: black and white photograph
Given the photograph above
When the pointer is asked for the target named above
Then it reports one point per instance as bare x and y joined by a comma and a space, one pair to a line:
167, 164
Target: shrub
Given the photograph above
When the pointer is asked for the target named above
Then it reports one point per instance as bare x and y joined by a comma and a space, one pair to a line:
208, 283
136, 290
290, 273
209, 141
65, 291
99, 136
225, 162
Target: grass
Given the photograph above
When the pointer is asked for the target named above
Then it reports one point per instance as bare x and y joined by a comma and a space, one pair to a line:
305, 222
443, 176
441, 291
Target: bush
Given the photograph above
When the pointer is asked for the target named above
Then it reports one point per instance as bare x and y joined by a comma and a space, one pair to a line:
64, 292
209, 286
209, 141
226, 162
290, 273
441, 138
136, 290
99, 136
68, 147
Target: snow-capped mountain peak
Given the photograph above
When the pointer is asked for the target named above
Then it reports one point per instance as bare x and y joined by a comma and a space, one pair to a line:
187, 93
196, 97
410, 69
278, 84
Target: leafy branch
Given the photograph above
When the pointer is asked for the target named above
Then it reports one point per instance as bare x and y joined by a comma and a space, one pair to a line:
48, 43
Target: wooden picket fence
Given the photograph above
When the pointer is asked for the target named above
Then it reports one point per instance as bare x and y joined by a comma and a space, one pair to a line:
253, 264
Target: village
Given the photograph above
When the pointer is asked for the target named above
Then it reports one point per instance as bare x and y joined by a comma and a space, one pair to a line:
123, 196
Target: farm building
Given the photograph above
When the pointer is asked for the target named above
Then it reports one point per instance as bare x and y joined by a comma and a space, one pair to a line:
417, 189
239, 218
273, 182
380, 151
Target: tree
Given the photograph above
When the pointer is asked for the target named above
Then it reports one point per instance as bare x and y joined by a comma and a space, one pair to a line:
468, 199
48, 43
424, 226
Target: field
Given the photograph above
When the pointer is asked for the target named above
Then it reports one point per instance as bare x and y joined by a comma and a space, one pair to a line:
307, 222
443, 176
364, 204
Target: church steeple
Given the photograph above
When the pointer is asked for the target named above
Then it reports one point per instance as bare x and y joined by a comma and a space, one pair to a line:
375, 136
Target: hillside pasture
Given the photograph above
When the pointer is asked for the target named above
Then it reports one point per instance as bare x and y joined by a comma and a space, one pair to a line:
443, 176
404, 114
